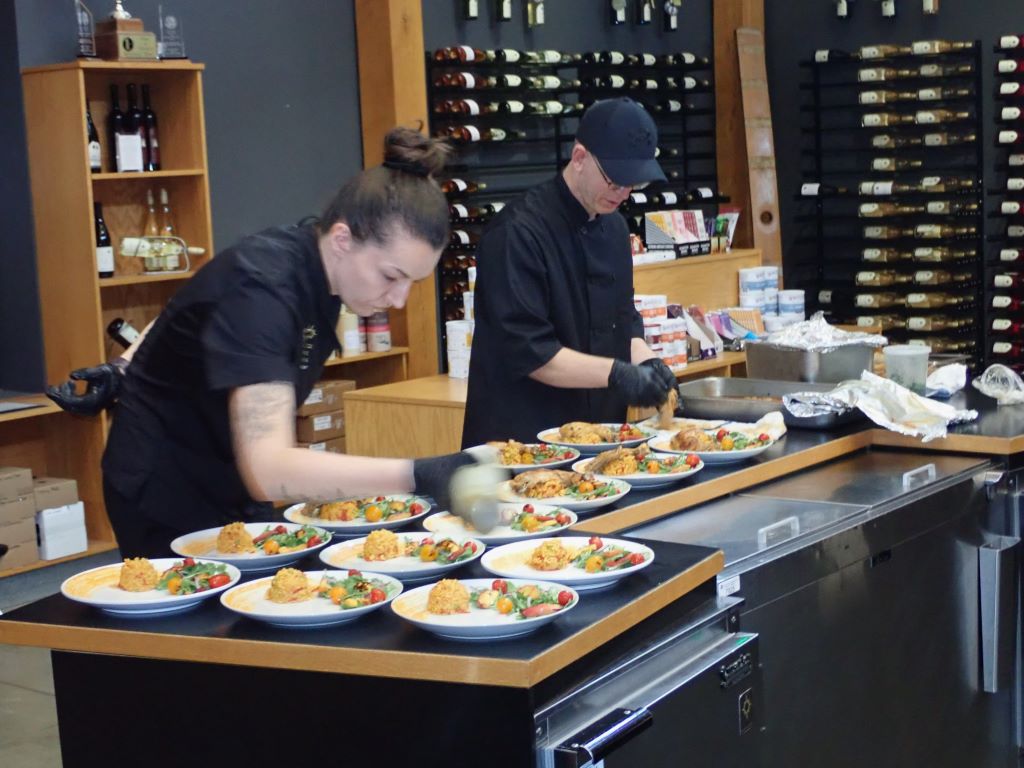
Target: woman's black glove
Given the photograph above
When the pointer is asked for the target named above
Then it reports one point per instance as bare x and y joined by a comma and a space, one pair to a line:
465, 484
433, 476
642, 385
103, 384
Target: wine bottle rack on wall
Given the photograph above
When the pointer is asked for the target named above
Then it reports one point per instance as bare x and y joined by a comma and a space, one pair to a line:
535, 103
891, 227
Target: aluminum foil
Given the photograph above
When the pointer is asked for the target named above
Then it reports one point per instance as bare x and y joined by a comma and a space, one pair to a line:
1001, 383
818, 336
886, 403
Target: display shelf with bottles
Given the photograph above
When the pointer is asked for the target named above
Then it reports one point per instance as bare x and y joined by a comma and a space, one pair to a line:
76, 302
892, 218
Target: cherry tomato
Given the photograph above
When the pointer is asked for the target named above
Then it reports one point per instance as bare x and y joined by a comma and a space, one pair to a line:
379, 498
636, 558
595, 542
337, 594
764, 437
720, 434
377, 595
562, 519
354, 572
471, 546
218, 580
189, 561
504, 605
528, 509
374, 513
500, 585
271, 547
567, 455
416, 508
564, 597
173, 585
280, 529
692, 459
313, 541
653, 468
427, 540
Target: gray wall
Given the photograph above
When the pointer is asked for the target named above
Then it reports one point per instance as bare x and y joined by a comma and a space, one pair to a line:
21, 354
795, 28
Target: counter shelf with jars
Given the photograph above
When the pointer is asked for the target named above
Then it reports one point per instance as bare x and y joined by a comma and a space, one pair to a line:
1004, 281
513, 115
892, 206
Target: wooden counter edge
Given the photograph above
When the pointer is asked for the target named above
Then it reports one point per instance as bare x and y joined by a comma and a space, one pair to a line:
958, 443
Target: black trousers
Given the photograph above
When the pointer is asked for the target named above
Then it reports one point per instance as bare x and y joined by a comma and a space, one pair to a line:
137, 535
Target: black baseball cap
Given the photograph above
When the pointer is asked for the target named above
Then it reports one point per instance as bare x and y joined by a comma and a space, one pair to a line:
623, 138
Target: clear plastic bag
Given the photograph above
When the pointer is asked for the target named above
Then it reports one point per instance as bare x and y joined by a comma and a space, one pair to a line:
1001, 383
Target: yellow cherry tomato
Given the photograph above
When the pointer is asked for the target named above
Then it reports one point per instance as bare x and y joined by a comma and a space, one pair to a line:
530, 523
504, 605
531, 591
271, 547
428, 553
374, 513
727, 443
173, 585
350, 602
652, 468
337, 594
585, 487
593, 564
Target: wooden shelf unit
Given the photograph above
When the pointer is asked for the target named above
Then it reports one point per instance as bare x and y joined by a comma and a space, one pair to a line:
76, 304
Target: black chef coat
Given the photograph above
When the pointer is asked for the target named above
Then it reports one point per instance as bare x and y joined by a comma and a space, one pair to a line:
261, 311
548, 277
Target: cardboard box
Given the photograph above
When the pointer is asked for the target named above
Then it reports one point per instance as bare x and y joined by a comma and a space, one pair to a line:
337, 445
20, 538
51, 492
60, 521
325, 396
321, 427
16, 510
15, 482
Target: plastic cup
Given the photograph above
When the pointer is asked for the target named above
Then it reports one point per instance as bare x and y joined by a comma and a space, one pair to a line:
907, 365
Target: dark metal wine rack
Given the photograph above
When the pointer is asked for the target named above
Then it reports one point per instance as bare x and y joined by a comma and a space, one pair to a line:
511, 167
831, 240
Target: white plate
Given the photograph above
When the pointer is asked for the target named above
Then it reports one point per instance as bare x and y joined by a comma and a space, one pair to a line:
447, 524
347, 554
712, 457
643, 479
98, 587
250, 600
505, 493
294, 513
510, 562
554, 464
478, 624
203, 545
591, 449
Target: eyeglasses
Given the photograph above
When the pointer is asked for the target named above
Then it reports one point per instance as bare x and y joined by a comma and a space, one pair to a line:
611, 184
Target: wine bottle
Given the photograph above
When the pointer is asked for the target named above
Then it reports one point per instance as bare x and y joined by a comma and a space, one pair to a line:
115, 127
1011, 254
884, 322
941, 255
879, 119
549, 83
685, 59
1010, 137
692, 84
1003, 325
700, 194
885, 97
825, 55
882, 210
938, 70
936, 323
935, 300
1010, 208
1011, 89
933, 231
613, 58
891, 164
670, 105
885, 255
505, 56
133, 119
882, 278
933, 116
1011, 280
613, 82
123, 332
884, 188
462, 238
95, 158
881, 232
503, 10
455, 187
1006, 303
880, 300
888, 141
546, 57
1010, 114
1007, 349
465, 107
646, 84
104, 246
951, 208
470, 9
938, 93
927, 47
618, 10
149, 129
151, 228
166, 218
946, 346
641, 59
463, 53
1014, 230
1009, 42
818, 189
945, 139
511, 107
868, 52
941, 277
550, 107
1009, 66
946, 184
644, 11
471, 134
883, 74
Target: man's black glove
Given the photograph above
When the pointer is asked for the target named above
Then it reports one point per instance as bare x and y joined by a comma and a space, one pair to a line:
662, 371
103, 384
641, 385
433, 476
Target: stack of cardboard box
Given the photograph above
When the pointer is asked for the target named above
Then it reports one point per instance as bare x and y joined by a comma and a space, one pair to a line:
17, 518
320, 421
60, 517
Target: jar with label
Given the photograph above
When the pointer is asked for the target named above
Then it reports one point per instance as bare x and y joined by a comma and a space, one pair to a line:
378, 332
348, 332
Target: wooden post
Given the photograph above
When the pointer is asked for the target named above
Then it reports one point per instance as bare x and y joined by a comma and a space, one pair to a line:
731, 142
392, 88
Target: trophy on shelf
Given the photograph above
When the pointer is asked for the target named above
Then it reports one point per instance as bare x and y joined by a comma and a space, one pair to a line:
172, 43
86, 31
122, 38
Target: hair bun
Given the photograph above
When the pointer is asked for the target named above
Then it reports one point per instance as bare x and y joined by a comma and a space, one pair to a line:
410, 151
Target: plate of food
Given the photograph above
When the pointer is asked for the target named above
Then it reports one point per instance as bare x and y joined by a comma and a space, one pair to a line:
253, 547
517, 521
143, 587
591, 439
714, 447
579, 561
562, 488
519, 456
485, 609
293, 598
641, 467
360, 515
409, 557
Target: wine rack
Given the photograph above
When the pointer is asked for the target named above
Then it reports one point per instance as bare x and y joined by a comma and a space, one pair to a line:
1004, 292
892, 221
513, 117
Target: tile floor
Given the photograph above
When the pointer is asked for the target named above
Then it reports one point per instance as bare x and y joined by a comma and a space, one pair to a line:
28, 711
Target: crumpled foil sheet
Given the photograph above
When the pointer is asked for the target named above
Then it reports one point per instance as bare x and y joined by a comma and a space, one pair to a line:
818, 336
886, 403
1001, 383
947, 380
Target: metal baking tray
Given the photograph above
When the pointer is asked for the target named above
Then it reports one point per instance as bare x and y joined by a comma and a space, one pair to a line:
750, 399
772, 362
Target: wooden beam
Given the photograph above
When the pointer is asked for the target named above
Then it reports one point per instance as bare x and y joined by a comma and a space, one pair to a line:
731, 143
392, 91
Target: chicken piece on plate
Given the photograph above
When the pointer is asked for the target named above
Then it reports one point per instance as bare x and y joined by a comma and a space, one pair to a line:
583, 432
692, 440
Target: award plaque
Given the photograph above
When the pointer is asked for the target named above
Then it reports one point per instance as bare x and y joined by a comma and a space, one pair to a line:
172, 43
86, 31
122, 38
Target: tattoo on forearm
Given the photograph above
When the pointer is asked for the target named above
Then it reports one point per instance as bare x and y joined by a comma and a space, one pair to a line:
259, 409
